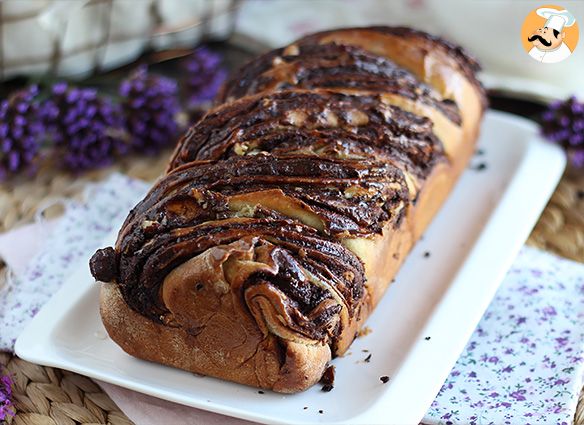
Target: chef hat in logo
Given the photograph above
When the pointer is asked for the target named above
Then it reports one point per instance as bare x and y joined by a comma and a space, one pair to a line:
556, 19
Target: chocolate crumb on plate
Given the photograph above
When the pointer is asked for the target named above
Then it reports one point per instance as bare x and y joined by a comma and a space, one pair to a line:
384, 379
305, 407
426, 254
328, 379
321, 411
367, 359
260, 392
365, 350
480, 167
427, 338
479, 152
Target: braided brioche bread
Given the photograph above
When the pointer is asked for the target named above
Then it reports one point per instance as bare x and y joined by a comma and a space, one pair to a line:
286, 210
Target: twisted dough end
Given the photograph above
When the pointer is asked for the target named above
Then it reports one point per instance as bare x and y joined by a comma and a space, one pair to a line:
218, 328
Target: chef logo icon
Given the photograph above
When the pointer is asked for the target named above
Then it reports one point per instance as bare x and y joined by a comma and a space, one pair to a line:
550, 34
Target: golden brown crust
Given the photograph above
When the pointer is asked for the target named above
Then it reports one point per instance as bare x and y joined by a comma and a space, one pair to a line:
241, 355
258, 269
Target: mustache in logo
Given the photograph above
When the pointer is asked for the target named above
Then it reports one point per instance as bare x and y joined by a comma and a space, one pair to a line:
541, 40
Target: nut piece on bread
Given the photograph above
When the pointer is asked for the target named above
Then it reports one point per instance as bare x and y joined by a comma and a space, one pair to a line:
286, 211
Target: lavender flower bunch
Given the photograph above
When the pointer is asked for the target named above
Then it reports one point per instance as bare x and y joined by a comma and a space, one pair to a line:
6, 406
86, 129
563, 123
205, 75
150, 107
20, 132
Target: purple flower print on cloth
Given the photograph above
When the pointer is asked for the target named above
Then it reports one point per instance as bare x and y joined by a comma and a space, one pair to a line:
6, 406
78, 234
525, 361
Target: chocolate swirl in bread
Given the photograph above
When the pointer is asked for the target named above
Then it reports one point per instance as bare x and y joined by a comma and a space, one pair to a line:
407, 40
286, 210
314, 123
205, 204
335, 66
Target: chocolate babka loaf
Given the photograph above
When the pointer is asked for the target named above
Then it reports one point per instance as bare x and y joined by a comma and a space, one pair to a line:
286, 211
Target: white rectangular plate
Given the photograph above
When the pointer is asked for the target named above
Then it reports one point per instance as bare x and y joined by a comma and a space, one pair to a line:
471, 244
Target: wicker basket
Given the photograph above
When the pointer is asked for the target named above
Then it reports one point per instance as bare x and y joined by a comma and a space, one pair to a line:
76, 38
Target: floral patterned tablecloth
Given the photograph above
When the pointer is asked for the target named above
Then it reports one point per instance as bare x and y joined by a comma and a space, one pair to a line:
524, 362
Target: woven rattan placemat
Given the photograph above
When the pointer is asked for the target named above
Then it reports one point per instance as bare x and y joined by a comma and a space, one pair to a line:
48, 396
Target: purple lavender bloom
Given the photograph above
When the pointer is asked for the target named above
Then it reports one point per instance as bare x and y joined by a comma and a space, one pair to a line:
20, 132
205, 75
6, 406
86, 129
563, 123
150, 108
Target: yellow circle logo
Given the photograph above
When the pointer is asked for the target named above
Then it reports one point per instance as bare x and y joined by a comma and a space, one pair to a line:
549, 34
